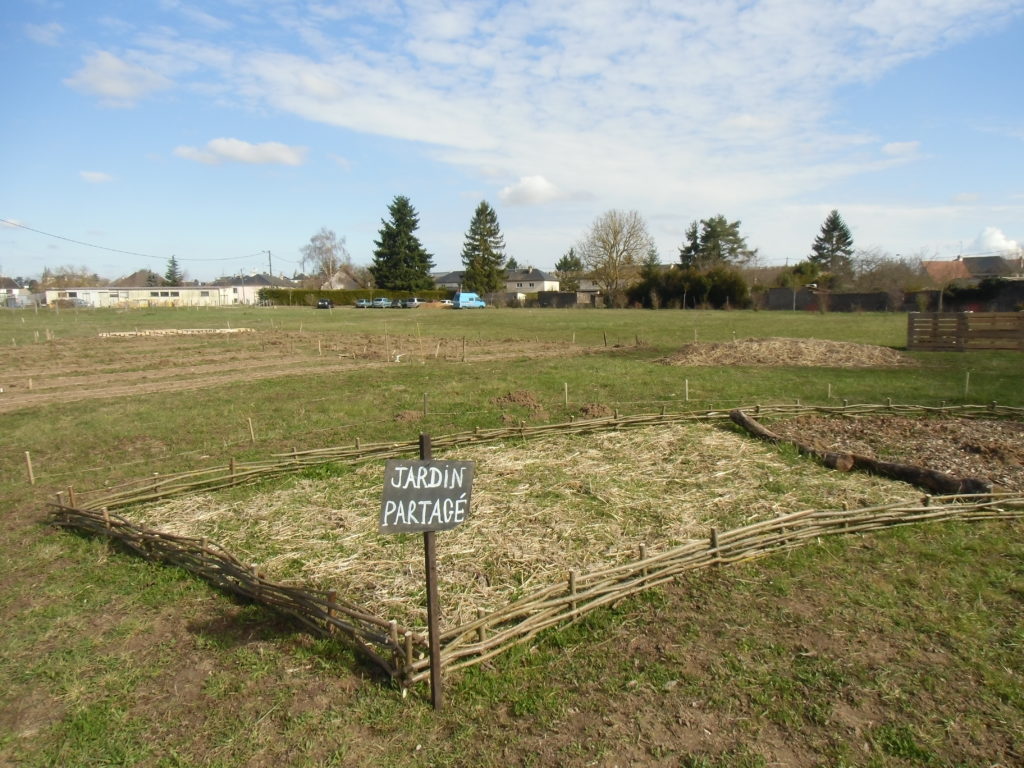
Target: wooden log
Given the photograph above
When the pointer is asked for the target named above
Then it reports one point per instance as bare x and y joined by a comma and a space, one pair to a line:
929, 479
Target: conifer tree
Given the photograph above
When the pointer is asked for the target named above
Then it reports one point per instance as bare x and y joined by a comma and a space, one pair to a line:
483, 252
833, 247
173, 275
400, 262
714, 242
568, 270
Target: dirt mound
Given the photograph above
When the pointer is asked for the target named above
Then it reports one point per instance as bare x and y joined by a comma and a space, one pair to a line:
522, 398
595, 410
796, 352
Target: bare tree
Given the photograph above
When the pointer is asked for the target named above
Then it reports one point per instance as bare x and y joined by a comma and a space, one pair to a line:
616, 243
325, 254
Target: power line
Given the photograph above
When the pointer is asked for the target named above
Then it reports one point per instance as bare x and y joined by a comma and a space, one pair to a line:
118, 250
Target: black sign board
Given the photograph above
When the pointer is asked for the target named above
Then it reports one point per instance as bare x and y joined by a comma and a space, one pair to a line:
425, 495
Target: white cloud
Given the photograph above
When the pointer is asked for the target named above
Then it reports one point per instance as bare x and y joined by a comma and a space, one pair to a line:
993, 239
680, 110
966, 198
223, 150
45, 34
901, 148
195, 15
529, 190
118, 83
96, 177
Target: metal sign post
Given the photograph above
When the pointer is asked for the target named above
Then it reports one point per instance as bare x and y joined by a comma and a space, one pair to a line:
427, 496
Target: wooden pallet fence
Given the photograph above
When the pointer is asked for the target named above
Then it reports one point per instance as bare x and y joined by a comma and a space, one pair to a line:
236, 473
965, 330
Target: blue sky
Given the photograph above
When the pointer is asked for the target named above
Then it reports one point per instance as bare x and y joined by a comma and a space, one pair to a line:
217, 131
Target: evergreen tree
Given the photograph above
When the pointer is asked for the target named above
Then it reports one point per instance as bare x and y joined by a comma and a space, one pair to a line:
833, 248
714, 242
483, 252
568, 270
400, 262
173, 275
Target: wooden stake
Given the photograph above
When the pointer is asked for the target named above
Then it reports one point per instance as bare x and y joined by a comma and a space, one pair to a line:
433, 600
28, 466
686, 390
572, 590
332, 597
565, 388
967, 383
605, 338
252, 433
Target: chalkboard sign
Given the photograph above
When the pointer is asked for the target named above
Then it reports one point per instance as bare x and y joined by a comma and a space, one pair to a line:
425, 495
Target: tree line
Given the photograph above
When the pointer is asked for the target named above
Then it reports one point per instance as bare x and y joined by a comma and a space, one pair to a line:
616, 253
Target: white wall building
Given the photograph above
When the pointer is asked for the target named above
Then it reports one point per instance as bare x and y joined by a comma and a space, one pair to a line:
156, 296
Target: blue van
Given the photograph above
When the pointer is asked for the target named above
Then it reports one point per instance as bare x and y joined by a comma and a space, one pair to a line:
468, 301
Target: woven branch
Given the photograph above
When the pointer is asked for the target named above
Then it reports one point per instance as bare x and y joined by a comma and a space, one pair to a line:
381, 640
213, 478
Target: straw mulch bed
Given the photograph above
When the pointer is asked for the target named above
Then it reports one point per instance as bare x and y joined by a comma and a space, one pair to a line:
789, 352
989, 449
539, 510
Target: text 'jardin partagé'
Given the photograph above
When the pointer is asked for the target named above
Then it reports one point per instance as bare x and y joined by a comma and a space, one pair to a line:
425, 495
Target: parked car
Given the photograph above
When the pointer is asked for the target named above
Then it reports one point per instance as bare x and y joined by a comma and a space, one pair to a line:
411, 303
325, 304
363, 303
382, 303
468, 301
446, 302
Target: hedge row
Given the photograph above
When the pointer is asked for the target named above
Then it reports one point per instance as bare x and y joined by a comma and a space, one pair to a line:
309, 297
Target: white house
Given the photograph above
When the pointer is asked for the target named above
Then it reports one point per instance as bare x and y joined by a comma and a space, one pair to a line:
517, 281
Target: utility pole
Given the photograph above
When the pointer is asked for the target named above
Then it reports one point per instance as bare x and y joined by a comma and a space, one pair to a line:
270, 266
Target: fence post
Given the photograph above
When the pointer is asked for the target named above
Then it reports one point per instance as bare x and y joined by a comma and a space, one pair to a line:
28, 466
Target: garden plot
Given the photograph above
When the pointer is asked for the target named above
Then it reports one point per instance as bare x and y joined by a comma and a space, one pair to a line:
540, 509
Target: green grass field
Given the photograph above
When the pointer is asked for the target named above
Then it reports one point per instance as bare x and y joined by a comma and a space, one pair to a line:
900, 649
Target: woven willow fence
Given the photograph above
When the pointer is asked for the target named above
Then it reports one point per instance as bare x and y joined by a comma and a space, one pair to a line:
401, 651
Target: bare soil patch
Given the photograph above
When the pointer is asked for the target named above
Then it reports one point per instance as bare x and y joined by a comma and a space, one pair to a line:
989, 449
789, 352
67, 370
